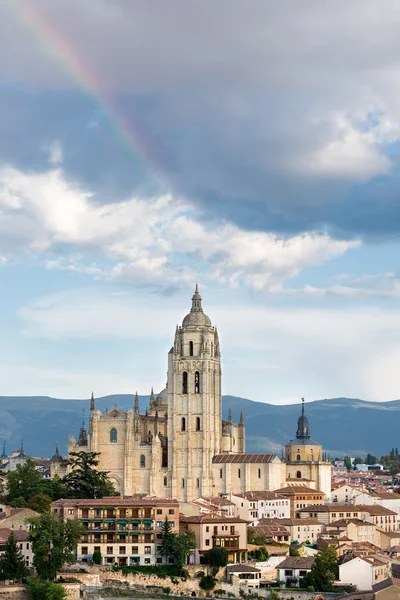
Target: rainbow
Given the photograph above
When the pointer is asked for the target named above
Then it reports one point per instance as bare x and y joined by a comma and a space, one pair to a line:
54, 42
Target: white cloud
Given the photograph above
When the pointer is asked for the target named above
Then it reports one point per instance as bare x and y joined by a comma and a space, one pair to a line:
381, 285
349, 352
55, 153
150, 240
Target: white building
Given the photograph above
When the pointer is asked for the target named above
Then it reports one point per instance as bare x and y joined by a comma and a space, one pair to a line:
364, 572
294, 568
254, 506
389, 500
23, 542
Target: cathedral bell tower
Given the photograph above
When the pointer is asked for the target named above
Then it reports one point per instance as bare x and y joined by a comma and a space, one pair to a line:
194, 404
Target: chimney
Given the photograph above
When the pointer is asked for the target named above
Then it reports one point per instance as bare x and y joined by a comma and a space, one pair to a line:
8, 510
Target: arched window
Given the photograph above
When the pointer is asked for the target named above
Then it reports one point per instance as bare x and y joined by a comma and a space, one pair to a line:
212, 349
142, 461
184, 382
113, 436
197, 423
298, 457
183, 424
197, 383
190, 348
298, 474
197, 482
165, 481
183, 483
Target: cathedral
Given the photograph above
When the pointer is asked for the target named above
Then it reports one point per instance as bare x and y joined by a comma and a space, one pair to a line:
181, 447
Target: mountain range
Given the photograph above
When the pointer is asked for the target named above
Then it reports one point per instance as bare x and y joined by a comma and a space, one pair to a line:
342, 425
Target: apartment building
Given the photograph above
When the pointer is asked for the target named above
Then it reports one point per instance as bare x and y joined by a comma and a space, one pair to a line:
215, 531
364, 571
126, 531
300, 496
254, 506
302, 530
23, 543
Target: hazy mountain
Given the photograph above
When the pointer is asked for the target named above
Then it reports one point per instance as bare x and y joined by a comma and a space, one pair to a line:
341, 425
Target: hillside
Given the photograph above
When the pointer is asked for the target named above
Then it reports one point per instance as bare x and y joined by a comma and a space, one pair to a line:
341, 425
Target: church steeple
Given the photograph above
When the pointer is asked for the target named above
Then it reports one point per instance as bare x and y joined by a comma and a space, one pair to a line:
92, 407
303, 426
4, 454
136, 407
196, 301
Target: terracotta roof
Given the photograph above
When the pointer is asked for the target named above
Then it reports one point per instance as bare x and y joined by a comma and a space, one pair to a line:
375, 509
272, 528
291, 490
243, 458
289, 522
297, 562
21, 534
116, 501
262, 495
217, 500
345, 508
211, 518
382, 585
387, 495
242, 569
345, 522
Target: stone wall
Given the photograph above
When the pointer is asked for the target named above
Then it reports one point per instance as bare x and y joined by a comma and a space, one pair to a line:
13, 592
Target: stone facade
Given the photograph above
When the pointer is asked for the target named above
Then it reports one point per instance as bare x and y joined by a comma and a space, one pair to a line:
181, 447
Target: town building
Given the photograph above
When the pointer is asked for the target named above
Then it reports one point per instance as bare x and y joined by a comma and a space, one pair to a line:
23, 542
388, 589
363, 571
127, 531
301, 530
273, 530
17, 518
254, 506
214, 531
294, 568
243, 575
300, 496
182, 447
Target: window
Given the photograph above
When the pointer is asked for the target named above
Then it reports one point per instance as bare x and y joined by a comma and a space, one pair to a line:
207, 542
183, 483
70, 511
298, 474
207, 529
298, 457
84, 549
147, 549
198, 482
197, 383
238, 473
147, 561
197, 423
159, 523
142, 461
190, 348
113, 436
159, 511
259, 475
135, 549
122, 550
165, 481
184, 382
171, 511
183, 424
212, 349
220, 473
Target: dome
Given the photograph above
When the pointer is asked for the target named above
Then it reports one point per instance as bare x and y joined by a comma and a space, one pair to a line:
162, 397
303, 427
196, 317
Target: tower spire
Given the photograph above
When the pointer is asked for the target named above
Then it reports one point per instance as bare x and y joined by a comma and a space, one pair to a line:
196, 301
302, 406
136, 403
230, 416
92, 407
4, 454
241, 420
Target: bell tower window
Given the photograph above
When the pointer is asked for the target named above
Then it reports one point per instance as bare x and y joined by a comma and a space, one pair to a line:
113, 436
183, 424
212, 349
298, 474
298, 457
197, 383
190, 348
197, 423
184, 382
142, 461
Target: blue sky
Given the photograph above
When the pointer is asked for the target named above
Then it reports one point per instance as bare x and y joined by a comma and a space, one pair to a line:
253, 149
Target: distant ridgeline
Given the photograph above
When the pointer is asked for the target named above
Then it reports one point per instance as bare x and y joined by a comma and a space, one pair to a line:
343, 426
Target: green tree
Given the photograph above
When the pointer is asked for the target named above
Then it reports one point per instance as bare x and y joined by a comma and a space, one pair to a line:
40, 503
347, 463
371, 460
53, 543
84, 480
207, 583
12, 563
324, 570
358, 460
24, 482
182, 545
38, 589
96, 557
216, 557
167, 537
19, 503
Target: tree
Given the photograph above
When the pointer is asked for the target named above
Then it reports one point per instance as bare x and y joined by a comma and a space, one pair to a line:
84, 480
216, 557
324, 570
53, 543
45, 590
40, 503
96, 557
12, 563
358, 461
207, 583
371, 460
24, 482
167, 537
182, 544
347, 463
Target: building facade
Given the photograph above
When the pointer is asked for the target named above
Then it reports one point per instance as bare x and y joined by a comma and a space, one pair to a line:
127, 531
182, 447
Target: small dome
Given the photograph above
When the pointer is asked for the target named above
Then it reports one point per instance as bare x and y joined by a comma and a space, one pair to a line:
196, 317
162, 397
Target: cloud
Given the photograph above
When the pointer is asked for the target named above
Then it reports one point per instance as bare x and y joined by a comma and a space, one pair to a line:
348, 351
148, 240
382, 285
55, 154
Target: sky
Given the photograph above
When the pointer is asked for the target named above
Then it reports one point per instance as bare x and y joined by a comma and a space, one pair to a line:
253, 148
